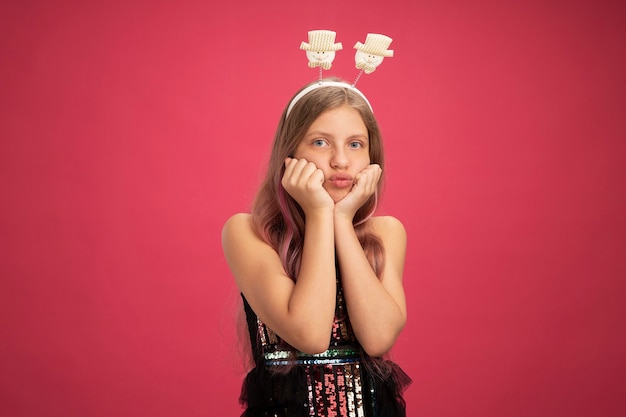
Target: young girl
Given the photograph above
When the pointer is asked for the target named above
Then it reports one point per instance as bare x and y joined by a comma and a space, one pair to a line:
320, 276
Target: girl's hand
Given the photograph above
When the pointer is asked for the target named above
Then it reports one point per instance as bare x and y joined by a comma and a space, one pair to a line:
304, 182
365, 185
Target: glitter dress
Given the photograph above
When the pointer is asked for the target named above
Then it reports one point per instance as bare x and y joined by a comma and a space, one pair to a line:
340, 382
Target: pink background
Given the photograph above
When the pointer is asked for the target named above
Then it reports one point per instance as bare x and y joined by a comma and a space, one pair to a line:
131, 130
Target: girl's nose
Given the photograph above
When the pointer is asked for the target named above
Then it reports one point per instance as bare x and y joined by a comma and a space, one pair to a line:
339, 160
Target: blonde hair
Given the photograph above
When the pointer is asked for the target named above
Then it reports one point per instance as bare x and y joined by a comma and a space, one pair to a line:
278, 218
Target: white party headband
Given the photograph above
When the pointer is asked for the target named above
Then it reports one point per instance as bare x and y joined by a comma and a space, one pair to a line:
320, 51
319, 84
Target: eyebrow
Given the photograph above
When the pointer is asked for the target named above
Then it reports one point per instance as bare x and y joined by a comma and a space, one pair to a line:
328, 135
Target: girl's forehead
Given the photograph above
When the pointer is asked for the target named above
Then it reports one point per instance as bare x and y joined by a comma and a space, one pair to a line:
340, 115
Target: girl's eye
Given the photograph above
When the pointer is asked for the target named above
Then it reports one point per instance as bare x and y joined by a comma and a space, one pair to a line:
355, 145
319, 142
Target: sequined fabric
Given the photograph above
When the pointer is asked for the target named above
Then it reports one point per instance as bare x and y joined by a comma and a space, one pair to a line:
335, 383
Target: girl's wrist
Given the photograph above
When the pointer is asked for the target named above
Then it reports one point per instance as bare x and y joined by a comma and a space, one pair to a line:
343, 217
319, 212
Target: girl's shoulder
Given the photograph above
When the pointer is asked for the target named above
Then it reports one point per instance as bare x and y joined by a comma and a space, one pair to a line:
393, 236
390, 230
238, 224
238, 218
386, 224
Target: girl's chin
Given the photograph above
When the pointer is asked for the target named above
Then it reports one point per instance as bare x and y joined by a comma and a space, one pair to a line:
337, 196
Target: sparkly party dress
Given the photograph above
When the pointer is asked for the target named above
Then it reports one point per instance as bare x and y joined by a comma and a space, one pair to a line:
343, 381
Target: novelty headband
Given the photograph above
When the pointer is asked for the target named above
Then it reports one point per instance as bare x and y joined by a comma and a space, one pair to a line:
320, 51
325, 84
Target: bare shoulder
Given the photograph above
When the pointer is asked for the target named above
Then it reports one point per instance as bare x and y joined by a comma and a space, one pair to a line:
391, 232
237, 223
388, 227
237, 234
247, 254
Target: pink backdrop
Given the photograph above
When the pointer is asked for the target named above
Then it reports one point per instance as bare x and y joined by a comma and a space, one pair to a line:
131, 130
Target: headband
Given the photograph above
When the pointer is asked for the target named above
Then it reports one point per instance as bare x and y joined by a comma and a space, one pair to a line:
321, 84
320, 51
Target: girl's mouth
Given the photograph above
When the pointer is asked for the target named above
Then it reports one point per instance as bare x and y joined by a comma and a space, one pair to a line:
341, 181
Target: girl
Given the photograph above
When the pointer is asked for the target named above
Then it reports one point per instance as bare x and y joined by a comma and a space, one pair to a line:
320, 276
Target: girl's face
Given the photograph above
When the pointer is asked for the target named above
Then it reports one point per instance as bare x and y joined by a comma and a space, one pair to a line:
337, 143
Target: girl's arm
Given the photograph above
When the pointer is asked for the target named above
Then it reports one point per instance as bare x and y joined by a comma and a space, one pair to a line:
300, 312
376, 305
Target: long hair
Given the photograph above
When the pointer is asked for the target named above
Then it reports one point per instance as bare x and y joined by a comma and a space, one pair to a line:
277, 217
279, 220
